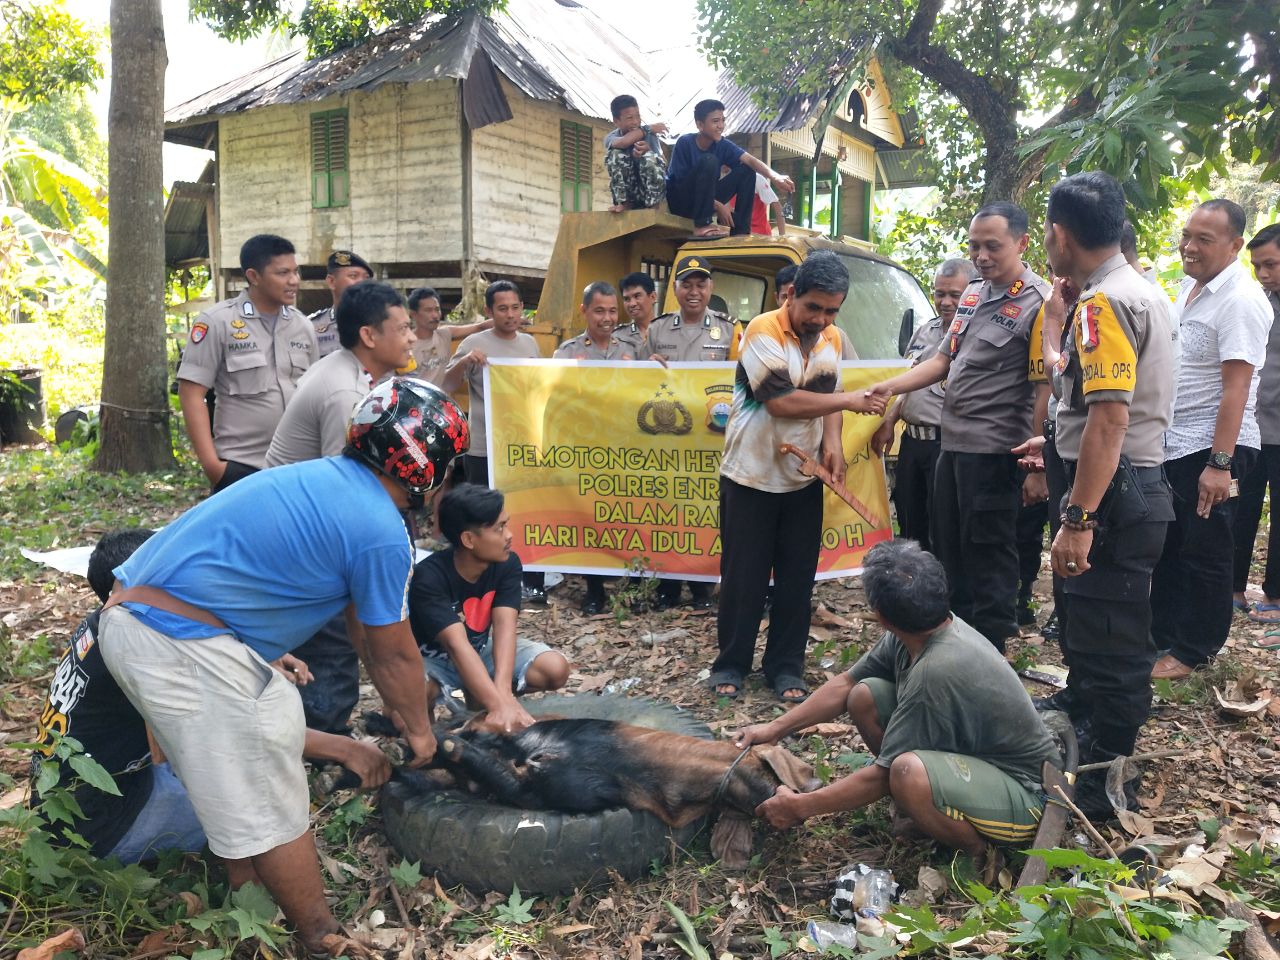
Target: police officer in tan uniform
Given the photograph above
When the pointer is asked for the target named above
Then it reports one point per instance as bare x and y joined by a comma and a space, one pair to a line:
986, 412
252, 351
920, 411
639, 296
344, 268
597, 342
693, 333
1114, 383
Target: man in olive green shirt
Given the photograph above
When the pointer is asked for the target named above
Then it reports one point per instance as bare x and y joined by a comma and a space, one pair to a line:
957, 743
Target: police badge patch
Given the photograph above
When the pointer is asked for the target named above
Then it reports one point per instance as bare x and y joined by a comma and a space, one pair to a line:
198, 331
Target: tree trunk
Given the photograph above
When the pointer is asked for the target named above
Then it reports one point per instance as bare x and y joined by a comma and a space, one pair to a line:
135, 403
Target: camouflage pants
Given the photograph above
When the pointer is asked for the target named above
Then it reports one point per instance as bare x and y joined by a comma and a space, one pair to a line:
638, 182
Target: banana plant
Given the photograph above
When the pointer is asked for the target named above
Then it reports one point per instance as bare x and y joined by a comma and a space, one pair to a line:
31, 176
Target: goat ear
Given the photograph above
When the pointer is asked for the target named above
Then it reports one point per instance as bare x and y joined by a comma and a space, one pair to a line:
788, 768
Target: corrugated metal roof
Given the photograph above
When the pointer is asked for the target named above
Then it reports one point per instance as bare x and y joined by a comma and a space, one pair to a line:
186, 234
553, 50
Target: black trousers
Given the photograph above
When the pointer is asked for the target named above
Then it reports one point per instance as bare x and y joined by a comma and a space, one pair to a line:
694, 195
1055, 473
1253, 488
1029, 535
235, 471
1108, 633
762, 532
976, 498
327, 701
913, 487
1191, 587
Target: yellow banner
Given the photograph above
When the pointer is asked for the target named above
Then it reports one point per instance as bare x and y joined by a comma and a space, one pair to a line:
605, 464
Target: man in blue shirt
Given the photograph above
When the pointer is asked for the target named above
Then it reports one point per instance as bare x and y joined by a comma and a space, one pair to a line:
695, 188
203, 606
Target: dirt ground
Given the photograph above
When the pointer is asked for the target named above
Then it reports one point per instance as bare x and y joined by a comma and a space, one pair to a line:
1226, 773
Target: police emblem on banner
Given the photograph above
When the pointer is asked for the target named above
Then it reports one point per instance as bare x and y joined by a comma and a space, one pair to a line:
664, 414
719, 403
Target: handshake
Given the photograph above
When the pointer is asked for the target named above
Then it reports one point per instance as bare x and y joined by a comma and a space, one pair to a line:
875, 399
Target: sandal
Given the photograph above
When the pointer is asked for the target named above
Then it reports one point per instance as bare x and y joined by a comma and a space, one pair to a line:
785, 682
1268, 641
1267, 607
1241, 606
725, 678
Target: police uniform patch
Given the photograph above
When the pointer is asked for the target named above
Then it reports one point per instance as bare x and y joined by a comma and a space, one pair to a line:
238, 323
715, 333
1015, 288
247, 308
322, 328
1108, 360
241, 335
970, 301
198, 331
1011, 311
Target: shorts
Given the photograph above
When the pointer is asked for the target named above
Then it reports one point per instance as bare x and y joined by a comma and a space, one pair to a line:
966, 788
230, 726
440, 668
167, 821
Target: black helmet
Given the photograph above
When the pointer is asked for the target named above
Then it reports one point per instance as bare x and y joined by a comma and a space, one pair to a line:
409, 430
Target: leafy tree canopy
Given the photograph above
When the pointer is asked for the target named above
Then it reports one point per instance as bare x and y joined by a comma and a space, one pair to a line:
327, 25
45, 53
69, 128
1013, 93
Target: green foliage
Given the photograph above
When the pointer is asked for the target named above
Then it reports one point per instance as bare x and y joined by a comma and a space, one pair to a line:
1084, 918
516, 910
636, 590
68, 127
55, 499
346, 819
779, 944
45, 53
689, 942
1011, 94
327, 25
406, 875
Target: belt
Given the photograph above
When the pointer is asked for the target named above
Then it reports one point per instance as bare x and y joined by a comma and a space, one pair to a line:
1049, 428
1142, 474
162, 600
920, 431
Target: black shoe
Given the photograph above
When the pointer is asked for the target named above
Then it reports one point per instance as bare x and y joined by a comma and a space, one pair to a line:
703, 603
592, 604
1091, 796
1050, 631
534, 596
1064, 700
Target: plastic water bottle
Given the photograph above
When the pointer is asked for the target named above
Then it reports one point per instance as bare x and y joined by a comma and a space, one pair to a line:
826, 932
873, 892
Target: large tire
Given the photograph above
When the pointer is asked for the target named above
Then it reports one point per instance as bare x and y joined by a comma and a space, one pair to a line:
489, 846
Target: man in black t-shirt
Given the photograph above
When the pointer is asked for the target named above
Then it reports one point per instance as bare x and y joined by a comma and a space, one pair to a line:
463, 606
152, 812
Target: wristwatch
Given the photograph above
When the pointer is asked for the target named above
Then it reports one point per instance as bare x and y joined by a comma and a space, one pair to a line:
1076, 517
1220, 460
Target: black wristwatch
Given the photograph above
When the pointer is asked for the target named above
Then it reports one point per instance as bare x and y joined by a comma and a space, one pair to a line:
1221, 460
1076, 517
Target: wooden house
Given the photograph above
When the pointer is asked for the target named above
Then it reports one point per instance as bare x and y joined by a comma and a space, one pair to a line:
458, 142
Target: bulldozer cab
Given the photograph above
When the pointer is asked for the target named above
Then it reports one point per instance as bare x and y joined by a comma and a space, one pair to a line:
884, 305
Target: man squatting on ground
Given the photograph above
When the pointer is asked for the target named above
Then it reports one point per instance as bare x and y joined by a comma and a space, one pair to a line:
203, 606
957, 743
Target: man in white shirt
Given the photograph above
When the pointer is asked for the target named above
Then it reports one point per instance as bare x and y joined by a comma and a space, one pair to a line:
1224, 319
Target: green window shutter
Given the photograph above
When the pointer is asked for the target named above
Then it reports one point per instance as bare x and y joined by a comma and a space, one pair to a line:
330, 170
576, 148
